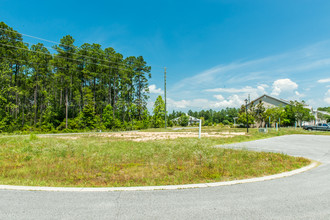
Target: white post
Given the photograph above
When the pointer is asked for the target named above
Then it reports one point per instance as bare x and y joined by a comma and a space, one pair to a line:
235, 121
200, 128
276, 126
279, 122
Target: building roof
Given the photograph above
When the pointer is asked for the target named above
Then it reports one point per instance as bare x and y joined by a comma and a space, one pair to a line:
285, 102
191, 118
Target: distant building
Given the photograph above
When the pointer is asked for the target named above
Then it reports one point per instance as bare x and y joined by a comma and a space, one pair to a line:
269, 101
316, 113
192, 120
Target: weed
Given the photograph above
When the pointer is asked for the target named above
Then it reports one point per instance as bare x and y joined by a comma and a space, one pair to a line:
33, 137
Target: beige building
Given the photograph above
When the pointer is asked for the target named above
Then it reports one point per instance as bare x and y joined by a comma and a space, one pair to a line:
269, 101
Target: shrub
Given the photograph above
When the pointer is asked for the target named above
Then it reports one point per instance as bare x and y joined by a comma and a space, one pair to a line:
108, 117
184, 120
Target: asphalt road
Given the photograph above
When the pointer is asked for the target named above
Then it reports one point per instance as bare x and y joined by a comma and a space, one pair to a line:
302, 196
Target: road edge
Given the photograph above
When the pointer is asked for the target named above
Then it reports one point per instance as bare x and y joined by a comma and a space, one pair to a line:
313, 164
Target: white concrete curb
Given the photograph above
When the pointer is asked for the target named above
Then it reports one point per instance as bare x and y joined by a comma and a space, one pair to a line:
144, 188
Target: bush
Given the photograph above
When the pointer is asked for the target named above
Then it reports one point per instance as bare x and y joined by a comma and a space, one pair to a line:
184, 120
169, 123
117, 123
108, 117
88, 116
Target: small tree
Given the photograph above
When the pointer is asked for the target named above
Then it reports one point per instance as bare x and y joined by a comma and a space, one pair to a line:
297, 113
203, 121
158, 119
259, 113
108, 117
184, 120
242, 118
242, 115
88, 116
301, 113
276, 115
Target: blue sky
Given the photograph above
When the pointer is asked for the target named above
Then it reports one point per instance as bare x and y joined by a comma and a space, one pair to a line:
216, 51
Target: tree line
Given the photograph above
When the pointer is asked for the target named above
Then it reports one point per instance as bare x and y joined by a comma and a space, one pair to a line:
75, 87
210, 117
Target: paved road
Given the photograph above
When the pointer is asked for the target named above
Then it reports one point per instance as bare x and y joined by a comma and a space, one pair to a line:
303, 196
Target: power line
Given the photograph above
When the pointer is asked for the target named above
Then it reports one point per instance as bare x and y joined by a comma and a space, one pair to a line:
58, 56
165, 96
50, 41
80, 55
59, 44
25, 61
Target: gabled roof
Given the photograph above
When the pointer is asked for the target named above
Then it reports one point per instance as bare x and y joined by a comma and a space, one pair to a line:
271, 97
191, 118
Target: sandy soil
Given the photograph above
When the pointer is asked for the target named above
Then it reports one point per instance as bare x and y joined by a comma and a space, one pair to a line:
147, 136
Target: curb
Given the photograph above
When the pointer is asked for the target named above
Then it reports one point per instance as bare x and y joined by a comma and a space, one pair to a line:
167, 187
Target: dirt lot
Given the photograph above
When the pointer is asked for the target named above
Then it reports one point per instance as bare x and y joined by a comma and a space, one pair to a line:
147, 136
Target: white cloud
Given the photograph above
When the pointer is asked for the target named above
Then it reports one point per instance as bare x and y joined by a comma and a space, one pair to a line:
262, 88
231, 101
247, 89
324, 80
232, 90
263, 85
283, 85
243, 93
219, 97
185, 104
154, 90
178, 104
327, 97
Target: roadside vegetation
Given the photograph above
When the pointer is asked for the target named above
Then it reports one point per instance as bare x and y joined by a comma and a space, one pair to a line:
98, 160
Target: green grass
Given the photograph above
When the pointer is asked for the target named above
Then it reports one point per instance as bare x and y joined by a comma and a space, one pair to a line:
92, 160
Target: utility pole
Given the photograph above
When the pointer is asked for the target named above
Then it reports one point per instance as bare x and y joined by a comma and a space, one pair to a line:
165, 96
247, 118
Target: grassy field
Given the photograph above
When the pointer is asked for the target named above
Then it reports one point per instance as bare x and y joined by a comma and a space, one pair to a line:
96, 160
